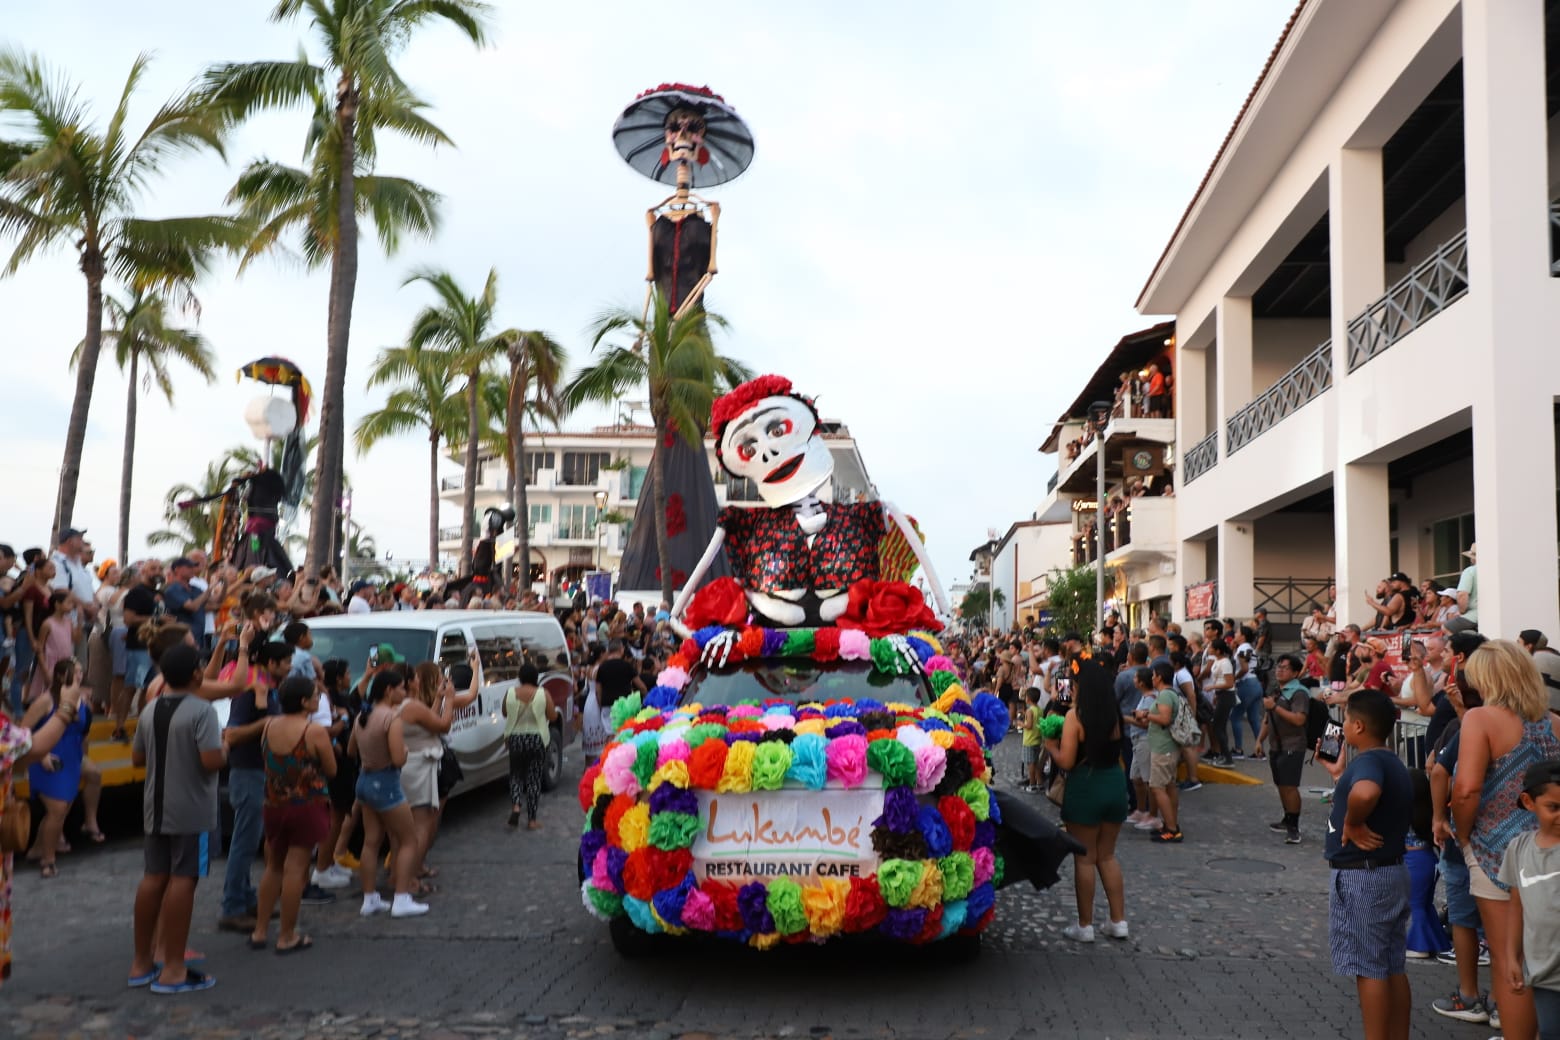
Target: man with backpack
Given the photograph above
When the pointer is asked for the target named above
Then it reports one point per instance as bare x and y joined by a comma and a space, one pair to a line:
1288, 726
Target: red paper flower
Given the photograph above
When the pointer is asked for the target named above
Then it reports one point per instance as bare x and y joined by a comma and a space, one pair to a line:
864, 908
971, 750
826, 644
676, 518
883, 608
933, 927
588, 787
685, 655
706, 764
620, 805
750, 645
957, 814
728, 913
650, 870
721, 602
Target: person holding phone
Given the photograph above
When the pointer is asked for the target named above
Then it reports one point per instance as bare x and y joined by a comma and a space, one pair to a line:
1288, 710
1368, 894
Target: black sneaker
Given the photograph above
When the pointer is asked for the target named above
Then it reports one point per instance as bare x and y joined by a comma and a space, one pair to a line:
314, 895
1279, 827
1292, 836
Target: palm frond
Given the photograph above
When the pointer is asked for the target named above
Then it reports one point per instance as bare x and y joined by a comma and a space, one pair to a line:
398, 206
469, 16
239, 89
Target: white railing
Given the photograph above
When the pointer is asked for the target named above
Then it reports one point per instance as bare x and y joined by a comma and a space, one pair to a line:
1202, 457
1296, 388
1427, 290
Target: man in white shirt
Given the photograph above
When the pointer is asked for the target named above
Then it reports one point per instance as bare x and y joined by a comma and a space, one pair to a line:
362, 601
72, 575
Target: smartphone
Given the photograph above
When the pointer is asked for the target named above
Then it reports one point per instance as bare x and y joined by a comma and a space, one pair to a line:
1331, 746
373, 657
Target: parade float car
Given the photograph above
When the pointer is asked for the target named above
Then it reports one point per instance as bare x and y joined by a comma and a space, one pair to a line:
789, 786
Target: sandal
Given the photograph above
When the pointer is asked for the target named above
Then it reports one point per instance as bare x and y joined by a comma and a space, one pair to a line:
428, 872
49, 870
303, 943
97, 836
425, 889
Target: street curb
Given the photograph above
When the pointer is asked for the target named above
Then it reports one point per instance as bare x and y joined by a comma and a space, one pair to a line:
1220, 775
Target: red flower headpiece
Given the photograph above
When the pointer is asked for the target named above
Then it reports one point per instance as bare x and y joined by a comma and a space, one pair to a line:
684, 88
728, 406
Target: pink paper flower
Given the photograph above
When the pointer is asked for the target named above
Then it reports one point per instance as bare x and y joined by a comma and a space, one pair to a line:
931, 762
985, 865
699, 912
774, 722
618, 769
855, 645
674, 750
847, 758
939, 663
674, 677
598, 871
745, 711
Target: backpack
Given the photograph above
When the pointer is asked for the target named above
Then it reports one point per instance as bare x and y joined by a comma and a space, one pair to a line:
1183, 725
1318, 715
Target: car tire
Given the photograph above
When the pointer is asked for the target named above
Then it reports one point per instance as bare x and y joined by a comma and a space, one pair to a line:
631, 943
554, 774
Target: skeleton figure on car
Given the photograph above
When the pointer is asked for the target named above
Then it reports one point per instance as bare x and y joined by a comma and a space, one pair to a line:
796, 559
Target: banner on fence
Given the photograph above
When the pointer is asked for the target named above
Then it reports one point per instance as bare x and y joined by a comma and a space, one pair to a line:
1202, 600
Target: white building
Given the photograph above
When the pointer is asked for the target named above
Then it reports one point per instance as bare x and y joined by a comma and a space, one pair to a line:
1139, 456
574, 479
1365, 307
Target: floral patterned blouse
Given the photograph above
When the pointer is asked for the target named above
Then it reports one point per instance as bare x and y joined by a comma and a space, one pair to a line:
15, 741
768, 550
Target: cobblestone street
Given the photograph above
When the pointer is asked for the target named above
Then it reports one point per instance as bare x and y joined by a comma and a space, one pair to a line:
1229, 940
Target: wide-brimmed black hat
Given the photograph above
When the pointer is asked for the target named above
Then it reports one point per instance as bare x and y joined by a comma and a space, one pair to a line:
640, 136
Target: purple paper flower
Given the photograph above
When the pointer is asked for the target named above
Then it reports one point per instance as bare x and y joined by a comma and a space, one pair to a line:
846, 728
669, 798
774, 639
985, 835
753, 904
905, 924
616, 859
591, 842
899, 811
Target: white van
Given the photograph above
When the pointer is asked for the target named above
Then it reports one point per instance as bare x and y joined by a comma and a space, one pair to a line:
504, 639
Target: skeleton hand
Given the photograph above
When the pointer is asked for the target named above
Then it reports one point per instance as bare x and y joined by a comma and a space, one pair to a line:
906, 653
718, 650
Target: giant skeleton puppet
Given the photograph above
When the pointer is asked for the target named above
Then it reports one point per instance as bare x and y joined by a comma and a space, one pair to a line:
687, 137
484, 557
796, 559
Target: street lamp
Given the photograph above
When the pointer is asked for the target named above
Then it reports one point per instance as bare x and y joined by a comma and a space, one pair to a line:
1099, 418
601, 506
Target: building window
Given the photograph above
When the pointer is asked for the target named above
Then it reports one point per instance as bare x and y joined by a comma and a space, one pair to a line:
582, 468
576, 521
539, 515
537, 460
1449, 538
634, 482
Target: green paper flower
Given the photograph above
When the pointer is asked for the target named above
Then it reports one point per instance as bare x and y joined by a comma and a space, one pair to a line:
785, 906
958, 871
705, 731
976, 797
999, 871
893, 760
1051, 726
942, 680
644, 762
609, 904
886, 658
673, 830
897, 879
799, 642
625, 709
770, 763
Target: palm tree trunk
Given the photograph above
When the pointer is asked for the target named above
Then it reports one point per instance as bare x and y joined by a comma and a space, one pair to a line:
433, 501
86, 375
468, 507
127, 464
344, 263
519, 380
663, 541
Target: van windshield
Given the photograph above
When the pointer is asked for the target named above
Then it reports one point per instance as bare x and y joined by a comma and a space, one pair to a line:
801, 679
353, 644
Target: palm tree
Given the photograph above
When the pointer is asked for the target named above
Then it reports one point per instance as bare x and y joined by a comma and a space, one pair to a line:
536, 365
141, 335
536, 414
360, 39
460, 329
420, 403
677, 360
195, 527
66, 180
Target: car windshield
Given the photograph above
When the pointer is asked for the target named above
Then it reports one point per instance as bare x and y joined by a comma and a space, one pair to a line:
352, 644
799, 680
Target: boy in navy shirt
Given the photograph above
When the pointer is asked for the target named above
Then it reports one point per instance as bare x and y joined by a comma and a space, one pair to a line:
1369, 888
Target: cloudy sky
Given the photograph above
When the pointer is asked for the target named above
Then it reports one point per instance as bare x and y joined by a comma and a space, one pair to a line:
951, 211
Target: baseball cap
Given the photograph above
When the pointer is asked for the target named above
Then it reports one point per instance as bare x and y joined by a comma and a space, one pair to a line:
67, 533
1400, 576
387, 655
182, 561
1377, 644
1446, 592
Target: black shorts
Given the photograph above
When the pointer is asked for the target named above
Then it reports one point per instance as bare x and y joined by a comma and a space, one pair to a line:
1287, 767
343, 786
179, 855
1008, 694
1158, 402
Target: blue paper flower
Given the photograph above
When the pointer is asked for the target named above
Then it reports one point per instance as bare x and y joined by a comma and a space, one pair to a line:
708, 632
993, 717
922, 648
639, 912
981, 899
663, 697
954, 916
994, 810
669, 902
939, 841
985, 835
809, 761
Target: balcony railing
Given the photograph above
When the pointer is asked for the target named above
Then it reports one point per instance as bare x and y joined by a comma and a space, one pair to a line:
1424, 292
1050, 485
1202, 457
451, 483
1296, 388
449, 534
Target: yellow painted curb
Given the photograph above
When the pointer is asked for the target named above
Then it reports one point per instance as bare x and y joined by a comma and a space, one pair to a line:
1219, 775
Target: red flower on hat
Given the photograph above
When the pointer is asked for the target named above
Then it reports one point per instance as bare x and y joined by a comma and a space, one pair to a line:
728, 406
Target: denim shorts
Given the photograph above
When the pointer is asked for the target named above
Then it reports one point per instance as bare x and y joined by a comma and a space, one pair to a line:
138, 668
380, 790
1461, 910
1368, 916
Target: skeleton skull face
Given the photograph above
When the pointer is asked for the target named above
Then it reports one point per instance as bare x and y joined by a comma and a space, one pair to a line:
776, 445
684, 130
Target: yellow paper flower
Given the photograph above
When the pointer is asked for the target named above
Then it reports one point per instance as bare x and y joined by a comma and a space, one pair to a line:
737, 776
674, 772
767, 941
600, 786
943, 738
824, 903
815, 726
929, 890
634, 828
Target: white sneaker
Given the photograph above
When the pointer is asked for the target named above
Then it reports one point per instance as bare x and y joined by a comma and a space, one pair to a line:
331, 877
1114, 929
1153, 823
1135, 818
406, 906
373, 903
1079, 932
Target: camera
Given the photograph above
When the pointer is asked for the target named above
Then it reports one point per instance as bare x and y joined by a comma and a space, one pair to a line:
1331, 746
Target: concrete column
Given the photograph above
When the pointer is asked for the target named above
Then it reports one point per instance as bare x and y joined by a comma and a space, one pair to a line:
1356, 243
1362, 539
1508, 277
1237, 569
1233, 356
1191, 388
1191, 567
